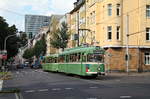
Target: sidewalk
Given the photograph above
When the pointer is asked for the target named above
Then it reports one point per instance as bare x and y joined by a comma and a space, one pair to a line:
5, 75
128, 74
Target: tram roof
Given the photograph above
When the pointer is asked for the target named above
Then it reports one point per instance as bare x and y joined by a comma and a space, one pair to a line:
81, 50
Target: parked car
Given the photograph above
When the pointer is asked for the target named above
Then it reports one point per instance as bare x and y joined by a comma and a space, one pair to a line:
36, 64
26, 64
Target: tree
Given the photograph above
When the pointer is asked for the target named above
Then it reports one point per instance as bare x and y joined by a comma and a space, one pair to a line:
60, 37
40, 47
6, 30
37, 50
29, 53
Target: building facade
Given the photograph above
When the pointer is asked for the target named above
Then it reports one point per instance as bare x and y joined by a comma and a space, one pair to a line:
33, 23
120, 27
77, 23
53, 26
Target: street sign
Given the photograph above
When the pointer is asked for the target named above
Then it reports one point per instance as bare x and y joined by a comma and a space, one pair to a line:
3, 54
4, 57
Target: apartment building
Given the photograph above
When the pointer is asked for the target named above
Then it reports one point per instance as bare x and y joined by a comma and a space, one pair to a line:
122, 27
77, 23
53, 26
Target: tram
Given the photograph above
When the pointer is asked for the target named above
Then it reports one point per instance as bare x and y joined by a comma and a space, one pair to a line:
83, 61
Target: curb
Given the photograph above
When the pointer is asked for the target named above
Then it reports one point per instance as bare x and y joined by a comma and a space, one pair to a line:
10, 91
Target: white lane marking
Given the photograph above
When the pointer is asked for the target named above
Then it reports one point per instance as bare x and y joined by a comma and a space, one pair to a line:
93, 87
42, 90
125, 97
16, 95
29, 91
1, 84
91, 98
68, 88
56, 89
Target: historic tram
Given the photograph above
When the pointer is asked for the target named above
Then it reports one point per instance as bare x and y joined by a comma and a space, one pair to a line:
83, 61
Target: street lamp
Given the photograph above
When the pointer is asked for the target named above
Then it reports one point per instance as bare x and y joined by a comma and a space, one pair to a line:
5, 42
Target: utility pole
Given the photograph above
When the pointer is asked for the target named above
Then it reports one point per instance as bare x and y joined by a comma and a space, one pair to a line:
78, 28
127, 43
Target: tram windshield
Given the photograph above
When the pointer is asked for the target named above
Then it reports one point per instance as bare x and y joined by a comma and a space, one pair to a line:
95, 58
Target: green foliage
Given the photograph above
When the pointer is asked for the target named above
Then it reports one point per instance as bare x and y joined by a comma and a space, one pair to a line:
6, 30
29, 53
60, 37
37, 50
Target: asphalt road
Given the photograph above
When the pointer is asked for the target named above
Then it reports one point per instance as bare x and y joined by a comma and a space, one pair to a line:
36, 84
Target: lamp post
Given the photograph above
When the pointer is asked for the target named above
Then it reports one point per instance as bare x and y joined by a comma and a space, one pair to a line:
5, 43
127, 43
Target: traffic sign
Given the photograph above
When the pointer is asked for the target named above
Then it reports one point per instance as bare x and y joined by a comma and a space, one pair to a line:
4, 57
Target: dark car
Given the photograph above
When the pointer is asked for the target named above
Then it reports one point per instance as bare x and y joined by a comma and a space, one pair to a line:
36, 64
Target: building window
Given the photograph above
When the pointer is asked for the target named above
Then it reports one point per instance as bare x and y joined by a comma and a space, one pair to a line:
147, 10
118, 10
93, 17
147, 58
109, 32
109, 6
147, 34
118, 32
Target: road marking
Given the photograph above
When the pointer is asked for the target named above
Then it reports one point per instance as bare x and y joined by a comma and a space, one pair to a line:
93, 87
125, 97
29, 91
42, 90
68, 88
1, 84
56, 89
18, 96
91, 98
17, 72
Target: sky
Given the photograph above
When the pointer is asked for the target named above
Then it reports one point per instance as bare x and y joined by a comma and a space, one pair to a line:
14, 10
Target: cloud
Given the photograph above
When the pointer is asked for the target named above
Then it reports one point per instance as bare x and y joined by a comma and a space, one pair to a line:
41, 7
61, 6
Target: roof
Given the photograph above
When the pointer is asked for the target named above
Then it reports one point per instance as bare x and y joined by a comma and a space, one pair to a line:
78, 7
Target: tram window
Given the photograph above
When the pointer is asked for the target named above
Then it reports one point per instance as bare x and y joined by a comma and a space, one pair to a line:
95, 58
55, 60
71, 58
83, 58
79, 57
61, 59
67, 58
